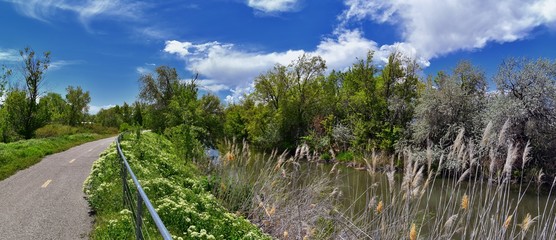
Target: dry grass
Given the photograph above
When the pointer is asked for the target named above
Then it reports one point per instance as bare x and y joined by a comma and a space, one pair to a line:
475, 199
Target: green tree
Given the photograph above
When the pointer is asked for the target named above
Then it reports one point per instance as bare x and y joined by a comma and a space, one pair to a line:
211, 116
110, 117
158, 92
34, 68
54, 107
137, 113
290, 98
78, 104
15, 107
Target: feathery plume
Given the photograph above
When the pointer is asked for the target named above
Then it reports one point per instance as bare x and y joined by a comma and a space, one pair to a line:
508, 221
465, 202
525, 158
502, 134
379, 207
510, 159
486, 134
450, 221
527, 222
413, 232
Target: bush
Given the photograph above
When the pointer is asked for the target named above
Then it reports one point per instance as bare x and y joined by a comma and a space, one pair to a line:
54, 130
345, 156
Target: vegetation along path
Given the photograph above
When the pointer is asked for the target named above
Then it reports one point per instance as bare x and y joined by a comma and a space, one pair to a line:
46, 201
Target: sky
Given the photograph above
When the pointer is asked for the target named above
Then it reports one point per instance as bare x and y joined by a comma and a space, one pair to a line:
104, 46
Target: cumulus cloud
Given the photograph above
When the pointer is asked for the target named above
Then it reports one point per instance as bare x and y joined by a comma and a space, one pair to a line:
269, 6
85, 10
435, 28
234, 69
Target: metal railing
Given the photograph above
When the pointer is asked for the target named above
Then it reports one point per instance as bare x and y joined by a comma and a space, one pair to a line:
142, 199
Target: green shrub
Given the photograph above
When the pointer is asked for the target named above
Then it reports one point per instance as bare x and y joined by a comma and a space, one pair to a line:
55, 130
345, 156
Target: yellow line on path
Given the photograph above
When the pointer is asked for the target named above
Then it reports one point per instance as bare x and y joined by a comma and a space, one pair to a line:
71, 161
46, 183
91, 149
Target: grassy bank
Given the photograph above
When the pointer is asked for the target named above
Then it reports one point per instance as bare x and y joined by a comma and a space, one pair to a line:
22, 154
179, 193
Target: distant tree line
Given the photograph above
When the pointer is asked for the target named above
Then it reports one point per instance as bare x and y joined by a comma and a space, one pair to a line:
25, 108
364, 108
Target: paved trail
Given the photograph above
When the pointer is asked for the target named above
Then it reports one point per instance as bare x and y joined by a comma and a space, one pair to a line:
46, 201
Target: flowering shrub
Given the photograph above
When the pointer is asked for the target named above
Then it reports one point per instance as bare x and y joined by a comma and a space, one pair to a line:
177, 191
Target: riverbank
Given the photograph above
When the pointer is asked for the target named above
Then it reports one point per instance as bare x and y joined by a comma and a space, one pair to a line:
177, 189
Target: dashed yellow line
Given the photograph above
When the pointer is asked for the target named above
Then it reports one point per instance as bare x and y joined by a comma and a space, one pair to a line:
46, 183
71, 161
90, 149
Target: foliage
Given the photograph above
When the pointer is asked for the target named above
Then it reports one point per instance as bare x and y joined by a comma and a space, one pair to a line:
78, 104
526, 99
33, 73
449, 103
54, 107
298, 103
176, 190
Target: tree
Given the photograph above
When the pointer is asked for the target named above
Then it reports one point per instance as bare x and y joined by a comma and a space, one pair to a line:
158, 92
526, 98
4, 76
33, 74
211, 115
290, 98
78, 104
54, 107
137, 113
110, 117
450, 103
15, 107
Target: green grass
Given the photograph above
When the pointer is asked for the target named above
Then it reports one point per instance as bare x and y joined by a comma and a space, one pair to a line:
22, 154
177, 190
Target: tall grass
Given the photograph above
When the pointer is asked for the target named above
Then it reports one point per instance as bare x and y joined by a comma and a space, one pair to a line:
471, 190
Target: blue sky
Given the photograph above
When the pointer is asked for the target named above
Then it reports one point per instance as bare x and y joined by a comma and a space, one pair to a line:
105, 45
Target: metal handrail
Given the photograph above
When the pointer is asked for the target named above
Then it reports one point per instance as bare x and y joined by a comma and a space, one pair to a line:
141, 198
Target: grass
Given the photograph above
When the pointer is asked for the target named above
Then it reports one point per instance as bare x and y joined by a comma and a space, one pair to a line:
177, 190
469, 190
22, 154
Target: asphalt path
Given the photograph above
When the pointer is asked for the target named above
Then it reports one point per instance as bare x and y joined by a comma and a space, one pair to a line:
46, 201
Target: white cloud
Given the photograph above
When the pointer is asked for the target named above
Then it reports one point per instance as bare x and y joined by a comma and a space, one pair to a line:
86, 10
55, 65
269, 6
231, 68
212, 85
9, 55
95, 109
435, 28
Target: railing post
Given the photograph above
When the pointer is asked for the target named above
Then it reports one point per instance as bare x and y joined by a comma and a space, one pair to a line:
139, 215
123, 174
